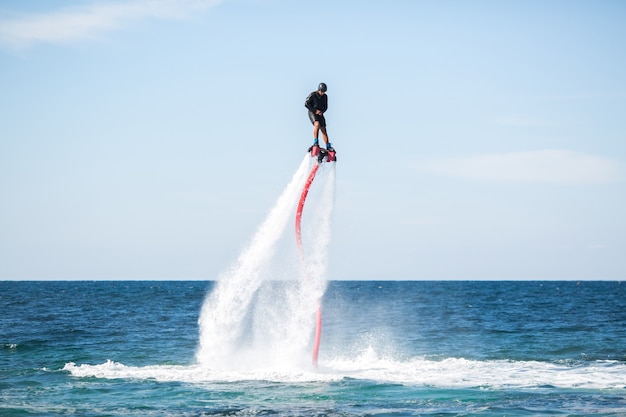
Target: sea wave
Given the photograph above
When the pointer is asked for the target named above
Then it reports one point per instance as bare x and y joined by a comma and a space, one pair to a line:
445, 373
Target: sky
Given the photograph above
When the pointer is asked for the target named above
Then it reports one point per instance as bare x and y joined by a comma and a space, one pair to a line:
476, 140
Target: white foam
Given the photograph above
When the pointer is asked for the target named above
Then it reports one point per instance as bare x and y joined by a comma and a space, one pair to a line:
463, 373
447, 373
193, 374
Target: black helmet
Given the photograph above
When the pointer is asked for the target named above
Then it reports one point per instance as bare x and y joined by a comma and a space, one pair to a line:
322, 87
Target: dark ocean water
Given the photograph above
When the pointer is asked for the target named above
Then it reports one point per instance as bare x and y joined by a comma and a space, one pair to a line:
388, 349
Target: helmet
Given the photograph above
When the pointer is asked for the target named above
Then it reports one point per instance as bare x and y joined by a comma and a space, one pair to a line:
322, 87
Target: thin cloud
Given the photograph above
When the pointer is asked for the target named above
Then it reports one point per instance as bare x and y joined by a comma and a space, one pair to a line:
86, 22
545, 166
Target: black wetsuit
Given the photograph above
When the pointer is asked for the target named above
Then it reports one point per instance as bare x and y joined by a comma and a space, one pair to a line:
316, 102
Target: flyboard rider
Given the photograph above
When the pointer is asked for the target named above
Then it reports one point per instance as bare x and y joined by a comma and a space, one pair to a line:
317, 104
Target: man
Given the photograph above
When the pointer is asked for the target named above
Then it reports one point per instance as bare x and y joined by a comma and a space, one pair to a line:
317, 104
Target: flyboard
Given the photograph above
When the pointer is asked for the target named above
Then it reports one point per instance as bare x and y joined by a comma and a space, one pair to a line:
321, 155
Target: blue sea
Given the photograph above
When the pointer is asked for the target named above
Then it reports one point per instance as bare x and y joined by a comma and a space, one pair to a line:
406, 348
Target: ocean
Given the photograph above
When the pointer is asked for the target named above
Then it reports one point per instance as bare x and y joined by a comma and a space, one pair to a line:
388, 348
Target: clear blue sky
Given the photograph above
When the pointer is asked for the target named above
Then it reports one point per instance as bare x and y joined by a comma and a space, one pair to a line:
476, 139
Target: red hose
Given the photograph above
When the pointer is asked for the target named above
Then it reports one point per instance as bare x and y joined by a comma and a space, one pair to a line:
318, 322
318, 334
305, 191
